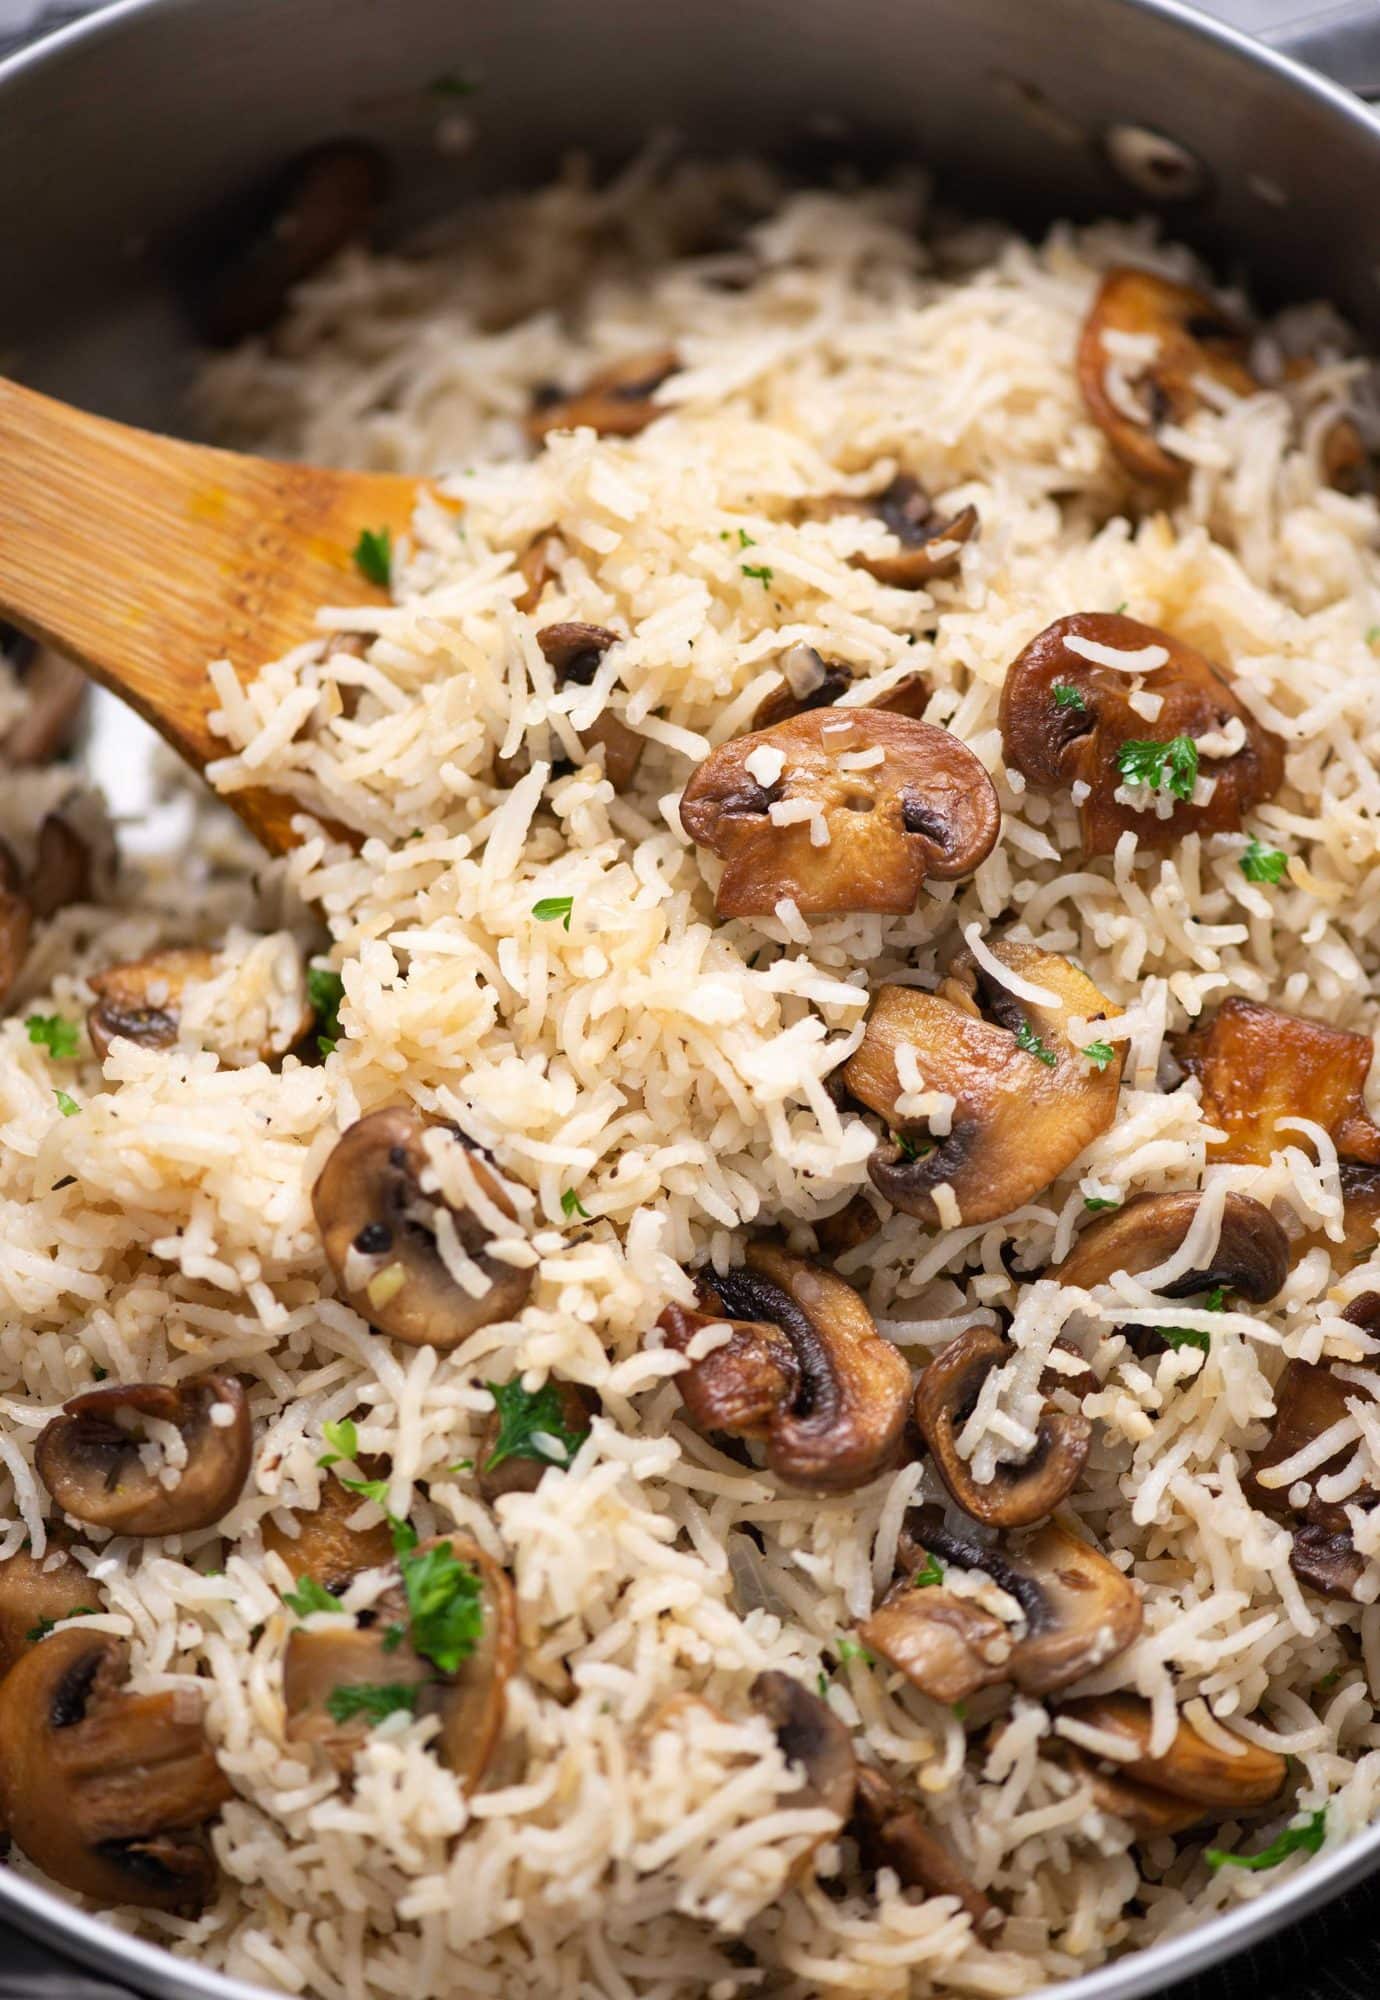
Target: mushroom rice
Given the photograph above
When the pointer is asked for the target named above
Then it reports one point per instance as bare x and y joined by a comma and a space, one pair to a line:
723, 1340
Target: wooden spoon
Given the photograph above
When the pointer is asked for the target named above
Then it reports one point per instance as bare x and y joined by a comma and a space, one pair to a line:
144, 559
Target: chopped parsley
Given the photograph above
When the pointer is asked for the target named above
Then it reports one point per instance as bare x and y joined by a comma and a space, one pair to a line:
55, 1033
822, 1683
445, 1604
1121, 607
452, 84
1304, 1839
1216, 1300
373, 1699
343, 1440
531, 1426
1263, 864
369, 1489
1100, 1054
1068, 697
68, 1106
461, 1465
1329, 1681
1027, 1039
325, 990
551, 907
1173, 765
759, 571
393, 1638
745, 540
1183, 1336
47, 1625
572, 1205
1372, 634
931, 1573
1096, 1203
907, 1148
309, 1596
374, 556
849, 1648
960, 1709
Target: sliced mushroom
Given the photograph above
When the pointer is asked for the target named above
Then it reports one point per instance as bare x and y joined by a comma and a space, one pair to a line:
946, 1645
16, 921
537, 566
61, 873
855, 1223
812, 1736
91, 1457
1191, 1768
1080, 1611
574, 652
1309, 1400
1066, 718
898, 801
892, 1833
54, 689
1019, 1494
805, 1369
1257, 1065
1187, 338
520, 1473
1150, 1814
1252, 1254
141, 1000
379, 1231
810, 682
1027, 1101
931, 545
107, 1792
37, 1593
326, 1548
377, 1651
616, 401
248, 259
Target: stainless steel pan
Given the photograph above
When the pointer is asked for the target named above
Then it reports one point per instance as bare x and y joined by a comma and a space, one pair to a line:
117, 135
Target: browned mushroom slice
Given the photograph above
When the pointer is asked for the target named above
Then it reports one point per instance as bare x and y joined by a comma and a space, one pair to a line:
1027, 1101
1066, 719
378, 1229
1257, 1065
812, 682
616, 401
54, 690
537, 567
931, 545
1251, 1258
892, 1833
574, 652
855, 1223
805, 1369
1309, 1400
810, 1735
1019, 1494
90, 1458
108, 1792
142, 1000
946, 1645
62, 868
16, 921
898, 802
1151, 1814
326, 1548
248, 259
466, 1687
1080, 1611
1187, 338
1191, 1768
522, 1469
37, 1593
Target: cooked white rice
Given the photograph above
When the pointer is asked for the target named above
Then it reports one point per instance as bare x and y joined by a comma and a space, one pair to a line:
671, 1070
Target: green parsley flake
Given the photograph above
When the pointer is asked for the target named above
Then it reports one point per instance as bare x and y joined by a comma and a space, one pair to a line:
372, 1699
1173, 765
1183, 1336
1372, 634
1097, 1203
309, 1596
1306, 1838
1216, 1300
47, 1625
551, 907
444, 1599
745, 540
531, 1425
68, 1106
1120, 607
1329, 1681
1068, 697
53, 1032
960, 1709
374, 556
1027, 1039
325, 990
930, 1574
572, 1205
849, 1648
452, 84
1263, 864
368, 1489
393, 1638
461, 1465
822, 1683
758, 571
343, 1440
1100, 1054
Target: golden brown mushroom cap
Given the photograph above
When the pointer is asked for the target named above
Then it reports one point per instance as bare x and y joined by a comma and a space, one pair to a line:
326, 1548
1252, 1254
1194, 338
1257, 1065
574, 651
810, 1735
931, 546
1020, 1117
141, 1000
892, 1833
37, 1592
805, 1369
616, 401
945, 1397
107, 1792
923, 810
1191, 1768
88, 1458
1057, 740
370, 1206
946, 1645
